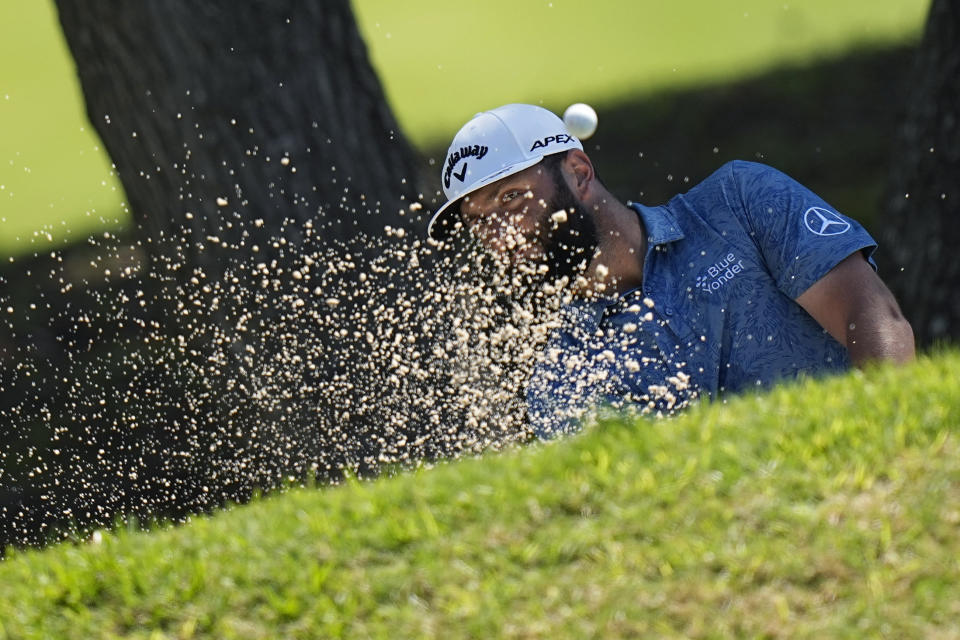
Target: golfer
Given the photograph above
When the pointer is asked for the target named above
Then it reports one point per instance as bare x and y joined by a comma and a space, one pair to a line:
747, 279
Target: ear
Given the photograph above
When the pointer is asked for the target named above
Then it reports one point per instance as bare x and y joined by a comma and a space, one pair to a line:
579, 169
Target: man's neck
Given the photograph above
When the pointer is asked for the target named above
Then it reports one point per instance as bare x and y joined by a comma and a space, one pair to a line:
617, 266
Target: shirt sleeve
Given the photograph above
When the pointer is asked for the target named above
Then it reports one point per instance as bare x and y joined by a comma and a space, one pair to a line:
798, 234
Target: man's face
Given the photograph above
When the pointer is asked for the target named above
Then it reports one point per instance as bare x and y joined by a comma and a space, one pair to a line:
532, 218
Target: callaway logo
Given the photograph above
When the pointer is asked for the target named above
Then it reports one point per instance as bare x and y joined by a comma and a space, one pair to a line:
476, 150
823, 222
719, 273
560, 138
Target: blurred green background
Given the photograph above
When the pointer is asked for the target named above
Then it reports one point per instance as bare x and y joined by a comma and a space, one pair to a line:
440, 63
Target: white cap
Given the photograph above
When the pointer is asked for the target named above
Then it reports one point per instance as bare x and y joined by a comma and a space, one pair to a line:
494, 145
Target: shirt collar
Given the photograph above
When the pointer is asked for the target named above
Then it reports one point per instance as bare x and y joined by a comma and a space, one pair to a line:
662, 227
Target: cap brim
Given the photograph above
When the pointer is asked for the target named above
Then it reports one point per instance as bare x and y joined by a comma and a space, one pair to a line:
442, 223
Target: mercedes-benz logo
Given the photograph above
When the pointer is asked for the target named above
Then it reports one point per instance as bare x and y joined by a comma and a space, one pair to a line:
823, 222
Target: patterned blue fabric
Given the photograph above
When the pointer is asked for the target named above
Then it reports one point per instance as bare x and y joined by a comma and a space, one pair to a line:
716, 311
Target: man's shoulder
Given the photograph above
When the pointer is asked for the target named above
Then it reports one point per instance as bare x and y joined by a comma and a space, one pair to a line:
723, 178
742, 172
719, 187
738, 183
727, 193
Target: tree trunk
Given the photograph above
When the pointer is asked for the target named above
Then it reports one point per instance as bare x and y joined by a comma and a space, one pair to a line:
247, 137
217, 115
923, 206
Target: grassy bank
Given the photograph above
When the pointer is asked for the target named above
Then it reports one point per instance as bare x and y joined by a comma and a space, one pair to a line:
824, 509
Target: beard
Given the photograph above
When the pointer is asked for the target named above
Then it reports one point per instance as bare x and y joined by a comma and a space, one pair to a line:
566, 249
570, 247
564, 252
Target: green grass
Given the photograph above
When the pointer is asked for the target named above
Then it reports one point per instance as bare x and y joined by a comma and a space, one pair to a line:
824, 509
443, 62
440, 62
56, 183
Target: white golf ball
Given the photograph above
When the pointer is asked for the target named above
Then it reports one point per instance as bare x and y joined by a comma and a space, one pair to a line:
581, 120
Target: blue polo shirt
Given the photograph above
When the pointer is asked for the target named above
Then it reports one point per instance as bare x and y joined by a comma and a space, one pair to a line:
716, 312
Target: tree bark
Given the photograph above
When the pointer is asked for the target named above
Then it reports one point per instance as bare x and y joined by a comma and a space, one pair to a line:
244, 135
923, 204
217, 115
